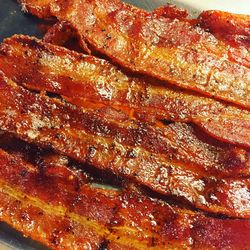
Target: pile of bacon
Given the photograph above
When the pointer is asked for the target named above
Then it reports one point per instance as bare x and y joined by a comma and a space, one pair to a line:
124, 129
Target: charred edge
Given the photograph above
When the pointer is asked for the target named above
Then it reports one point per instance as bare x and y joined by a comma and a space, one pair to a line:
170, 199
182, 204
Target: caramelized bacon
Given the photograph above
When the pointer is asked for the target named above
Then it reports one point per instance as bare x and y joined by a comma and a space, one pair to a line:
62, 34
169, 160
38, 8
171, 11
59, 34
85, 80
153, 45
60, 214
233, 28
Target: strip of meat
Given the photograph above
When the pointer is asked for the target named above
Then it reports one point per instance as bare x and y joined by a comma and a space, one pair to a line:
85, 79
171, 50
233, 28
154, 157
60, 33
225, 26
31, 212
57, 212
234, 33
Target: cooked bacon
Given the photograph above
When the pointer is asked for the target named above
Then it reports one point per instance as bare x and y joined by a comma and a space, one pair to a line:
38, 8
171, 50
171, 11
85, 79
233, 28
179, 141
59, 34
169, 160
57, 165
62, 34
214, 21
61, 212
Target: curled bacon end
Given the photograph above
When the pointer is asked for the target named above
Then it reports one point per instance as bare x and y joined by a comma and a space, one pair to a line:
233, 28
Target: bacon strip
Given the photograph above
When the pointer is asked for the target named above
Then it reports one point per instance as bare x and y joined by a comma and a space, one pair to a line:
154, 157
60, 213
234, 28
85, 79
235, 32
38, 8
231, 28
153, 45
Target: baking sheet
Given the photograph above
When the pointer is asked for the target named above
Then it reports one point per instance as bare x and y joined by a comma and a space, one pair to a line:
13, 21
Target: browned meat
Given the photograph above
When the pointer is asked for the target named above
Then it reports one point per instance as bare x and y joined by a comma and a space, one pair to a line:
169, 160
62, 34
171, 50
39, 8
86, 80
171, 11
233, 28
63, 212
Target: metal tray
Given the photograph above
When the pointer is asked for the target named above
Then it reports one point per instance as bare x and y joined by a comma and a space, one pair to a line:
13, 21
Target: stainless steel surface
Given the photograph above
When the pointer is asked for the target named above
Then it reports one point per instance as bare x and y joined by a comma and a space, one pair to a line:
13, 21
12, 240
